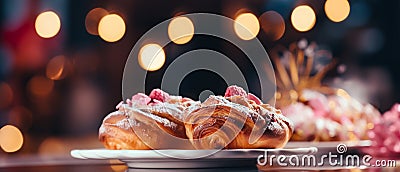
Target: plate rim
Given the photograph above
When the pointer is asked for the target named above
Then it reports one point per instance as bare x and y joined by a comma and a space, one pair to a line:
102, 153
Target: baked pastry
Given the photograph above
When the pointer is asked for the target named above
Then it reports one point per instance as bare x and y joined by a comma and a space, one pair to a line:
227, 122
139, 123
161, 121
116, 133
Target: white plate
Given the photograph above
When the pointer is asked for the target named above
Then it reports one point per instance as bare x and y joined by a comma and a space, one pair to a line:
332, 144
156, 159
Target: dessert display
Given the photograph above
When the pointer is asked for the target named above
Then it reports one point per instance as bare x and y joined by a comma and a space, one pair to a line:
385, 135
218, 122
335, 117
319, 113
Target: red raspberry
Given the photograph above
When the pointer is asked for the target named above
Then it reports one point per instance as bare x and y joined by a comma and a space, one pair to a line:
234, 90
159, 95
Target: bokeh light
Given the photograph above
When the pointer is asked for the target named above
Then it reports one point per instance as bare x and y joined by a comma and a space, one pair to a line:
180, 30
369, 40
40, 86
52, 146
111, 27
337, 10
57, 68
151, 57
341, 68
273, 25
118, 166
11, 139
303, 18
93, 19
343, 93
47, 24
246, 26
7, 95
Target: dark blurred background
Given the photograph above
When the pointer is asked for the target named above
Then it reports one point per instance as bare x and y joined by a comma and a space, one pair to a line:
57, 90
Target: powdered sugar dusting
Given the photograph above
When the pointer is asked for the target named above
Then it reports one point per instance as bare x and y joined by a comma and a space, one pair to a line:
113, 114
158, 119
124, 124
119, 104
141, 99
102, 129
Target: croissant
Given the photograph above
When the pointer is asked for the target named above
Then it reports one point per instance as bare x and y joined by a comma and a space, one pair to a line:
214, 123
139, 124
116, 133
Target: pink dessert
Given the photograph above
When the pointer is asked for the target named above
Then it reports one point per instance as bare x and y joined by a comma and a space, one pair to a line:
385, 135
320, 117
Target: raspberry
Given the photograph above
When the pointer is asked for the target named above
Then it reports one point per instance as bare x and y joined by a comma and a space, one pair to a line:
159, 95
254, 98
234, 90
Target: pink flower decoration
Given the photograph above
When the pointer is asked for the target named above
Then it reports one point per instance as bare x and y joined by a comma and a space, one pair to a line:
385, 135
